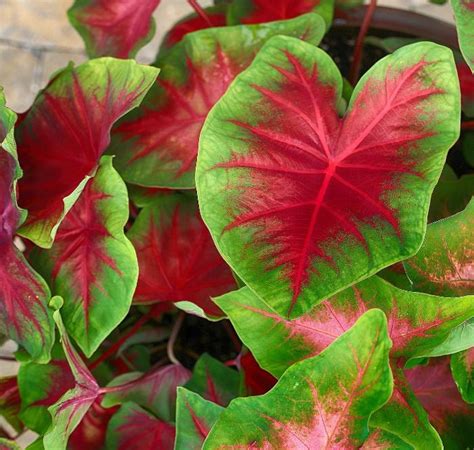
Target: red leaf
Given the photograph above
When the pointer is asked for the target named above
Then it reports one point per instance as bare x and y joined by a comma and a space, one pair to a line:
177, 258
113, 27
257, 380
271, 10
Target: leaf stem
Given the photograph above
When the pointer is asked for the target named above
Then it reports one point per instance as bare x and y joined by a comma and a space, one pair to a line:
172, 339
469, 125
359, 45
200, 12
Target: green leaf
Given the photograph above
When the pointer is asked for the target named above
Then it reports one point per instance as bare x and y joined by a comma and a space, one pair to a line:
418, 322
91, 264
464, 15
195, 417
6, 444
214, 381
302, 204
443, 266
321, 402
462, 368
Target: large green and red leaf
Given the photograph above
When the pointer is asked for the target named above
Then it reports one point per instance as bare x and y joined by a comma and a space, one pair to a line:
195, 417
445, 263
434, 387
176, 256
261, 11
70, 409
61, 138
321, 402
155, 391
302, 203
464, 15
134, 428
417, 322
114, 27
157, 145
91, 264
24, 315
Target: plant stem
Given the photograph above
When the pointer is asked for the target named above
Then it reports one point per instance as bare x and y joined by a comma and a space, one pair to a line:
469, 125
359, 45
200, 12
115, 347
172, 339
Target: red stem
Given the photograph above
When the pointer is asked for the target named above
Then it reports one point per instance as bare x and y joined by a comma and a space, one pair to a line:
115, 347
200, 12
469, 125
359, 45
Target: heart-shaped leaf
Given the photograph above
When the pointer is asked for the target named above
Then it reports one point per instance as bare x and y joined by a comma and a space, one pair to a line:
444, 264
417, 322
435, 389
63, 135
113, 27
260, 11
321, 402
462, 368
302, 203
155, 391
195, 417
157, 145
177, 258
214, 381
70, 409
133, 428
24, 315
464, 15
91, 264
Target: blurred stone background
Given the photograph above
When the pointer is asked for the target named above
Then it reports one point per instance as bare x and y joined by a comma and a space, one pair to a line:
36, 40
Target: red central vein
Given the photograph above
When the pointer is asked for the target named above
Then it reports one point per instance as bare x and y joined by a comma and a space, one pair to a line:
331, 169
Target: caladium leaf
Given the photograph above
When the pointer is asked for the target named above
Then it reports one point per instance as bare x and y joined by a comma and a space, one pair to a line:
382, 440
10, 402
155, 391
404, 417
459, 339
462, 368
260, 11
91, 264
24, 315
113, 27
70, 409
444, 264
464, 15
321, 402
195, 417
6, 444
63, 135
42, 385
157, 145
466, 81
133, 428
256, 380
417, 322
302, 203
448, 413
214, 381
177, 258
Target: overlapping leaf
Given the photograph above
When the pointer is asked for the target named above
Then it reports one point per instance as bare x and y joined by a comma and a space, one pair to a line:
260, 11
10, 402
448, 413
155, 391
417, 322
133, 428
321, 402
464, 15
177, 258
92, 265
114, 27
462, 368
195, 417
158, 145
257, 381
445, 263
63, 135
24, 316
302, 203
